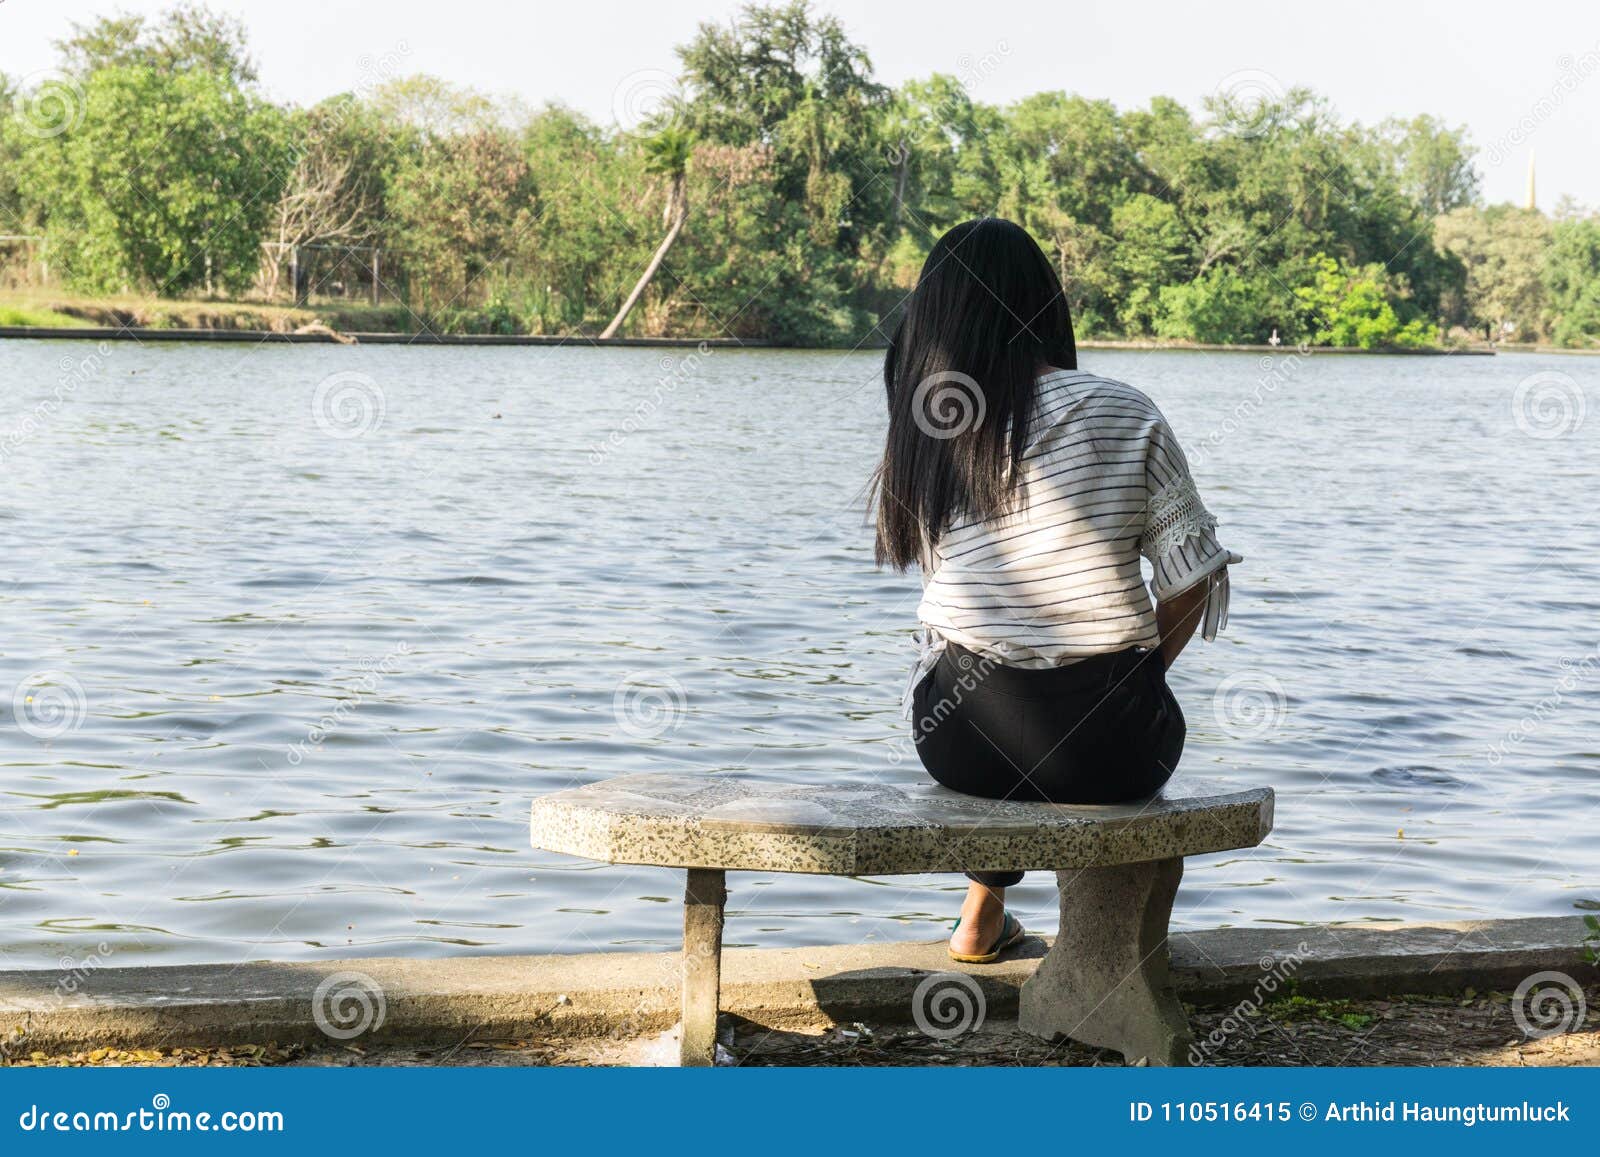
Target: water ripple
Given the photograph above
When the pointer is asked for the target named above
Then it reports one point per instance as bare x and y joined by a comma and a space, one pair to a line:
311, 684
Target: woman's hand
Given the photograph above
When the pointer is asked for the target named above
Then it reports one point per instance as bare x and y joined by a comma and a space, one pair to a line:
1178, 616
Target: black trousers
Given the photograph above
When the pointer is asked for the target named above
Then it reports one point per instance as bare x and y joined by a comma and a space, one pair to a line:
1103, 730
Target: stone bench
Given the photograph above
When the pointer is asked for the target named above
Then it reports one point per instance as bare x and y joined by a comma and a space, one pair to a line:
1104, 981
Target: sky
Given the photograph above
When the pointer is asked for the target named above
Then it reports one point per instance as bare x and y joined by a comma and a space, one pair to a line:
1520, 78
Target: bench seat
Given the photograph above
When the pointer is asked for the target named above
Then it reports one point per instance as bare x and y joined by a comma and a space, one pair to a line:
1105, 979
849, 829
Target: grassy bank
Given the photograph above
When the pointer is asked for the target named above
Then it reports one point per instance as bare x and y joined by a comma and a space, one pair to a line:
57, 308
41, 317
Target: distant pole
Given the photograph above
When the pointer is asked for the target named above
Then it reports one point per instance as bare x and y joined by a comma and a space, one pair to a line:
375, 274
1533, 200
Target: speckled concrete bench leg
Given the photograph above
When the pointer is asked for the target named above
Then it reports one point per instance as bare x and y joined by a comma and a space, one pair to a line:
703, 901
1105, 981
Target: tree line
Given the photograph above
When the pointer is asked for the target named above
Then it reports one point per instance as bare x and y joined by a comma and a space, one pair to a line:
775, 189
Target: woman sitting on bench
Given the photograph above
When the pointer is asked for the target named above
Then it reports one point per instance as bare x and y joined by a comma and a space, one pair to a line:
1027, 491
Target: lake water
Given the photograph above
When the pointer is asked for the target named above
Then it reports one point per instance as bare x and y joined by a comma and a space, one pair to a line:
293, 635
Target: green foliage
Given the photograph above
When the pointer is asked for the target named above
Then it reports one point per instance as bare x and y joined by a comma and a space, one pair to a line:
1221, 305
1358, 308
789, 81
1296, 1008
186, 38
596, 219
1434, 163
1572, 281
151, 162
1152, 249
425, 106
667, 152
49, 318
461, 205
812, 190
11, 220
165, 182
748, 264
1502, 249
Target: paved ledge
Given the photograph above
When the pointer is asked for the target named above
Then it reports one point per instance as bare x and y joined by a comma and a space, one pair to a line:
627, 994
1222, 966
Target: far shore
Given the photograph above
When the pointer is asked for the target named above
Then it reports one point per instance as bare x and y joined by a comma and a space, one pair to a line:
322, 334
60, 314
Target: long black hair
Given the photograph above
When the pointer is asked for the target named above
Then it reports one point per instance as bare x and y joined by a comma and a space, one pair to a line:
987, 315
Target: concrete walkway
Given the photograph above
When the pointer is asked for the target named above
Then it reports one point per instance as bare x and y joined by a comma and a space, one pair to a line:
623, 995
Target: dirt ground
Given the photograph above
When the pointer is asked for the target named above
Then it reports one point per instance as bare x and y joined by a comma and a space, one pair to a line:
1471, 1029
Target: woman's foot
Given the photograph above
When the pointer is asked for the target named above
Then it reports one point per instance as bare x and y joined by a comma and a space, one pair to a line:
979, 932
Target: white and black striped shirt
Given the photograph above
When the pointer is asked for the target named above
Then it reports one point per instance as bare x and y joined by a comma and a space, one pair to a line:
1058, 580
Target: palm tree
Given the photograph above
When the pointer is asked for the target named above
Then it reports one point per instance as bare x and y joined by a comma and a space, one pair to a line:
667, 153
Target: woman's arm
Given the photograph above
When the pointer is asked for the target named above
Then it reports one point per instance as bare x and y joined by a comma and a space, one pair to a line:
1190, 579
1178, 616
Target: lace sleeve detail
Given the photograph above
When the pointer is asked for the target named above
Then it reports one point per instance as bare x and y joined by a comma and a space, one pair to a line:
1180, 541
1174, 515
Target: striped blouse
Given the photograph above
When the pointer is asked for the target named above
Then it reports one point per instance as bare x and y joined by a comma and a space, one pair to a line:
1104, 483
